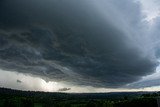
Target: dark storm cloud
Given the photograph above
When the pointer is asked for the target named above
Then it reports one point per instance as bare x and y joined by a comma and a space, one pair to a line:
69, 41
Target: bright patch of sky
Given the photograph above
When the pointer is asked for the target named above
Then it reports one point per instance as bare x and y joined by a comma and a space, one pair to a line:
151, 9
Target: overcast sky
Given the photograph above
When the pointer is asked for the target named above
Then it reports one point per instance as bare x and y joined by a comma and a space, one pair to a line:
87, 45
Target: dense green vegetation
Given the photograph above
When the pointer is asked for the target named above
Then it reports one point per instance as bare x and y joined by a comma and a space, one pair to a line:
15, 98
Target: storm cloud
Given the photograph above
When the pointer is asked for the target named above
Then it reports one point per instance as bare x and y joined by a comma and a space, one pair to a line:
92, 43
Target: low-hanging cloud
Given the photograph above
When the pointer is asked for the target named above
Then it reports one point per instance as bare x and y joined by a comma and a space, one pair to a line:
74, 41
64, 89
19, 81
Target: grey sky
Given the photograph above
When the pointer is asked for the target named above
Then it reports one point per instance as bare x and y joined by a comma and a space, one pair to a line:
101, 44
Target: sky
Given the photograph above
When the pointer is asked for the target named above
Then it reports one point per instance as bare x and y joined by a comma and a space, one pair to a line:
80, 46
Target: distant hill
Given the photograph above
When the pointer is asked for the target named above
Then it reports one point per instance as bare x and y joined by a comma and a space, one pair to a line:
115, 95
18, 98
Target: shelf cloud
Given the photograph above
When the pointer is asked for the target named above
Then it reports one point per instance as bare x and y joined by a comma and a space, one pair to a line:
106, 43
